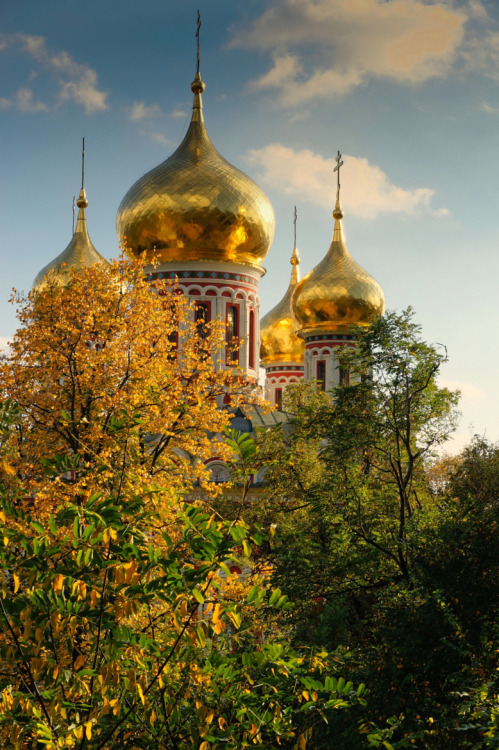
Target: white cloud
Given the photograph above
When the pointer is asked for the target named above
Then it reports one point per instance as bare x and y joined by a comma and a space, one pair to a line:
489, 108
322, 48
141, 111
366, 190
24, 101
468, 390
179, 112
156, 137
77, 82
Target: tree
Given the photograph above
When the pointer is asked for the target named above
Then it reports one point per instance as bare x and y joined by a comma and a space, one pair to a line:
372, 439
120, 623
355, 509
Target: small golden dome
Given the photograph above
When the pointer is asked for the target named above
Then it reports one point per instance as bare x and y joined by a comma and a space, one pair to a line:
80, 253
279, 342
337, 293
196, 206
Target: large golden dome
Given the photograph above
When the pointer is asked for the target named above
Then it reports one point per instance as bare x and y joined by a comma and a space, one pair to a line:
279, 342
196, 206
337, 293
79, 254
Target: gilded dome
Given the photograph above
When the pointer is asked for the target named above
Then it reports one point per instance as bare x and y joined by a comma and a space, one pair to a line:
338, 292
80, 253
279, 342
196, 206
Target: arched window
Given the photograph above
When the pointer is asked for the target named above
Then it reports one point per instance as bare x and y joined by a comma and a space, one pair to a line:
278, 398
344, 376
252, 339
232, 334
321, 375
202, 318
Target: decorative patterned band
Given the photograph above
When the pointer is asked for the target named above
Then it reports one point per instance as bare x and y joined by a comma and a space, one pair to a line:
332, 337
285, 368
196, 275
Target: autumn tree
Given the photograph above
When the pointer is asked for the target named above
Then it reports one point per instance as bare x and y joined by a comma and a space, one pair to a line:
117, 630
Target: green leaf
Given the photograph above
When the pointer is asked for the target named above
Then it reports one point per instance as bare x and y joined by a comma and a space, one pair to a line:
274, 597
198, 596
252, 594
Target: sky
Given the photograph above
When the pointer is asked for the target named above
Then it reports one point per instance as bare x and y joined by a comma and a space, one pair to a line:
407, 90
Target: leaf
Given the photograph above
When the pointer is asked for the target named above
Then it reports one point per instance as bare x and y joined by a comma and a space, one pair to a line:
216, 613
198, 596
88, 730
16, 583
141, 693
201, 636
236, 619
252, 594
276, 594
247, 548
58, 583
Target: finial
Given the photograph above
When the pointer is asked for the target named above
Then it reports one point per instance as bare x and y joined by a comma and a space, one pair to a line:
74, 209
197, 86
83, 164
197, 37
82, 198
338, 212
295, 257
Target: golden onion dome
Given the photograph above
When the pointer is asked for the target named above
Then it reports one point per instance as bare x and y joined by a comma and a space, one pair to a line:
79, 254
196, 206
279, 342
337, 293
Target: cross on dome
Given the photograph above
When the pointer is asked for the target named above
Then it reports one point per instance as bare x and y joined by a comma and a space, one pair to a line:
339, 164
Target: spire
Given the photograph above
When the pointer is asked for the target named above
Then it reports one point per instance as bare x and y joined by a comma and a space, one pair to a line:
197, 86
338, 211
82, 203
80, 253
295, 257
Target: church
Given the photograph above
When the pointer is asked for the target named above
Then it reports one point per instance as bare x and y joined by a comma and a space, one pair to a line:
209, 227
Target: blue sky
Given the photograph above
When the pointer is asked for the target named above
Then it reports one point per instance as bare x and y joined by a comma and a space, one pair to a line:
407, 90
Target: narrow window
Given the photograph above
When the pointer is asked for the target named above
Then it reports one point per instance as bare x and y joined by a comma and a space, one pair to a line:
232, 333
202, 318
321, 375
344, 376
278, 398
252, 339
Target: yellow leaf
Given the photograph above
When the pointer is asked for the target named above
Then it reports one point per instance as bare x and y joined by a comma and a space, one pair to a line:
216, 613
88, 730
303, 742
152, 717
210, 716
8, 468
16, 582
58, 581
5, 541
204, 745
38, 635
80, 661
141, 694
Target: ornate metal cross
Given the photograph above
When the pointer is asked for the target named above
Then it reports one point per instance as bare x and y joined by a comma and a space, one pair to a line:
197, 37
294, 222
339, 164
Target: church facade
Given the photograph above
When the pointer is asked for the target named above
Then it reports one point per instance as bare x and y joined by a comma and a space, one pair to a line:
205, 224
